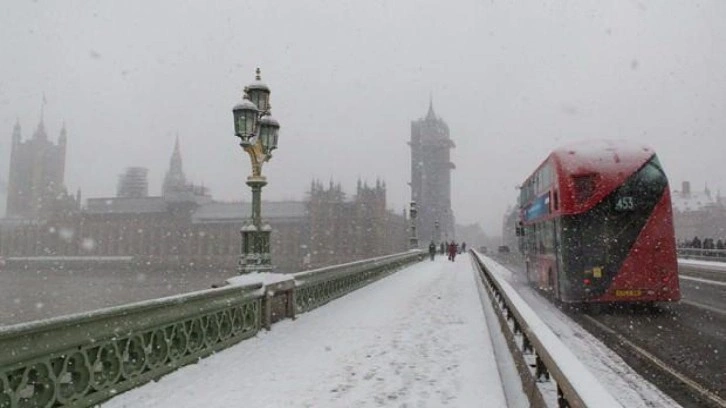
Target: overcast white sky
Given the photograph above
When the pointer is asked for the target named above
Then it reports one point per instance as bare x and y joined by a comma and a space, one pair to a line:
512, 79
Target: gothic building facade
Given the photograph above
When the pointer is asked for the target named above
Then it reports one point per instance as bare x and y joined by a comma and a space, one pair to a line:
184, 228
431, 177
35, 186
343, 230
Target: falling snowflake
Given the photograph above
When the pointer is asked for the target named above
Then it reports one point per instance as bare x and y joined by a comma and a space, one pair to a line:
66, 234
88, 244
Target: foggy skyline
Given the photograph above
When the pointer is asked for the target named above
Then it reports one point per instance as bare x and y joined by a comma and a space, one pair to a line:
512, 81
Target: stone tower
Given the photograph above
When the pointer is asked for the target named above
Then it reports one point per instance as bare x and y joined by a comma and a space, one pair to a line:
37, 168
431, 177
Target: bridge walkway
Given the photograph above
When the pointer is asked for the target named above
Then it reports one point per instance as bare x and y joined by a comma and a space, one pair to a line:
417, 338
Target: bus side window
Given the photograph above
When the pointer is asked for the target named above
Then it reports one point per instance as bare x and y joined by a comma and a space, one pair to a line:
519, 229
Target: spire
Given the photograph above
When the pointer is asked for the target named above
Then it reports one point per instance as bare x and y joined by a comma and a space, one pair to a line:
16, 132
174, 180
176, 155
40, 132
431, 114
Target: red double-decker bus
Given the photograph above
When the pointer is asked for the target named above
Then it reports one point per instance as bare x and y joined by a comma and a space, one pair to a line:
596, 225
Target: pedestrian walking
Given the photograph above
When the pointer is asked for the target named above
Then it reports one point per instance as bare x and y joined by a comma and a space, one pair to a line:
452, 251
696, 243
432, 250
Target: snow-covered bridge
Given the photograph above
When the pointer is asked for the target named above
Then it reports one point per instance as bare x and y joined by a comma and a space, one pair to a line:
418, 338
424, 336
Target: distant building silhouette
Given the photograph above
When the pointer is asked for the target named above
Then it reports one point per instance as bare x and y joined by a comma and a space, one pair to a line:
35, 180
133, 183
431, 176
183, 228
698, 213
174, 180
343, 230
4, 158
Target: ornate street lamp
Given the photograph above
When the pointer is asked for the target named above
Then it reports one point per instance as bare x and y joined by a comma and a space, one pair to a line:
413, 239
258, 133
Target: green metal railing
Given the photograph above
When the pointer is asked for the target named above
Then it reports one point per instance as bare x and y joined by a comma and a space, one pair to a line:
82, 359
318, 287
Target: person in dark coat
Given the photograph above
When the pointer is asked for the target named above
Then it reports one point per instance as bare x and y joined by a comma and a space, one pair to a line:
432, 250
696, 243
452, 251
463, 247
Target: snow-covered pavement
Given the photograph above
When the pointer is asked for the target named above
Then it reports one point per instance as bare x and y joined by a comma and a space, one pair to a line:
417, 338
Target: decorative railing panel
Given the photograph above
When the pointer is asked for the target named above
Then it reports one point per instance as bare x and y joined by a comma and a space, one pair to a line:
318, 287
82, 359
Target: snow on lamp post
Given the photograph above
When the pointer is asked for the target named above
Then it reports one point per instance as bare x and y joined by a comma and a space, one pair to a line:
258, 133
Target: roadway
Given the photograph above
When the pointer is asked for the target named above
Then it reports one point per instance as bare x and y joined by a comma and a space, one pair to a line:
703, 285
686, 338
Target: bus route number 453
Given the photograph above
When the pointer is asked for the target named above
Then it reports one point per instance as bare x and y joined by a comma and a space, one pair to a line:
625, 204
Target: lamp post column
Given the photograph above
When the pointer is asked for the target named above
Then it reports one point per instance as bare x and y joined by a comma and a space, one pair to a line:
413, 240
255, 255
256, 184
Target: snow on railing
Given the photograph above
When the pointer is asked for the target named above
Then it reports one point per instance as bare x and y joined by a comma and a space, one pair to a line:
576, 386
